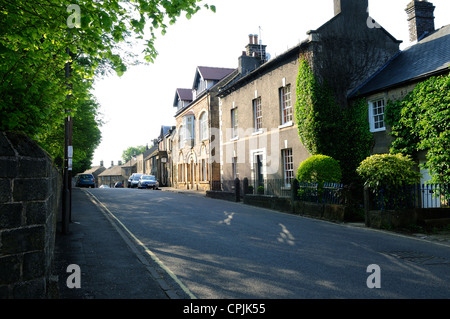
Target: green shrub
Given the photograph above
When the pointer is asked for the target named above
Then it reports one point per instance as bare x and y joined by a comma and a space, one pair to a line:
319, 169
260, 190
388, 170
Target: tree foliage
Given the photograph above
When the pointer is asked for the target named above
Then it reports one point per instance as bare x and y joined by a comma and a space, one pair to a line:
132, 151
86, 136
421, 122
37, 39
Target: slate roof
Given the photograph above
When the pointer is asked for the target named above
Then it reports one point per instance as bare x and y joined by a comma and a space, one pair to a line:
112, 171
429, 56
95, 170
150, 152
240, 79
213, 73
164, 130
182, 94
210, 74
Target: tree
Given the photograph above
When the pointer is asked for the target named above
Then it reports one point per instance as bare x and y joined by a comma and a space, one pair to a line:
37, 39
86, 136
132, 151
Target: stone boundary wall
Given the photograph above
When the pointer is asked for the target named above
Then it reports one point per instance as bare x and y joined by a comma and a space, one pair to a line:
229, 196
29, 204
337, 213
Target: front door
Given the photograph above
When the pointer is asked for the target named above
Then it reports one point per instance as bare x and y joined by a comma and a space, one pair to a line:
259, 171
430, 192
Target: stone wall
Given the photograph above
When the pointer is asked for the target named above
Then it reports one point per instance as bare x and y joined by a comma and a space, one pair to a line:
29, 203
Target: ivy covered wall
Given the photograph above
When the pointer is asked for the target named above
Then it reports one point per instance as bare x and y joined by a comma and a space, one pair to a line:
329, 128
421, 123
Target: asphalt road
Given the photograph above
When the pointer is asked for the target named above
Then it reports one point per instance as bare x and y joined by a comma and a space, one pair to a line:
219, 249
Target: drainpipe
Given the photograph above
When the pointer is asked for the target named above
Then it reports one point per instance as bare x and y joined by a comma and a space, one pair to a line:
209, 144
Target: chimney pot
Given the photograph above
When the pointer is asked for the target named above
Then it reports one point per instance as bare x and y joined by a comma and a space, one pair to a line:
250, 38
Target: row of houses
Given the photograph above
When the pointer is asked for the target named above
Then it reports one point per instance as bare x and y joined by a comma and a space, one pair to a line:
240, 122
153, 161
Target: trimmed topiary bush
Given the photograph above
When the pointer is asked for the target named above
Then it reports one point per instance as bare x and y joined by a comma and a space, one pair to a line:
388, 170
319, 169
260, 190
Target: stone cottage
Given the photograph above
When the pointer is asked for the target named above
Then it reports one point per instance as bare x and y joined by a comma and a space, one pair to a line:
259, 139
428, 56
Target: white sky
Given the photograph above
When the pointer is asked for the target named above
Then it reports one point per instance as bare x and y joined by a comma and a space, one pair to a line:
136, 105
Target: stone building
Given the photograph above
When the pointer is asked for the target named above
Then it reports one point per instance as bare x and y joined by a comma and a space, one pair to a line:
95, 171
111, 176
428, 56
259, 139
195, 146
161, 158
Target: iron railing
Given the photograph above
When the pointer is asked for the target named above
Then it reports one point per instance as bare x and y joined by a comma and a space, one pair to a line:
327, 193
412, 196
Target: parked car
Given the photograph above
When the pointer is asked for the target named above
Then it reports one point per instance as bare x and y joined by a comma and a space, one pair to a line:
133, 181
85, 180
118, 185
148, 181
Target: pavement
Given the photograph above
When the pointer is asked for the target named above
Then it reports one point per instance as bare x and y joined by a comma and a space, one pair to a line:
111, 263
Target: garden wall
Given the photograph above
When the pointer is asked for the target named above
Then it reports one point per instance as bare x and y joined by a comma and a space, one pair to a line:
29, 205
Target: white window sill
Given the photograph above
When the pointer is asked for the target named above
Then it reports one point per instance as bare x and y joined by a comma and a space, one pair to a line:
287, 124
258, 132
378, 130
234, 138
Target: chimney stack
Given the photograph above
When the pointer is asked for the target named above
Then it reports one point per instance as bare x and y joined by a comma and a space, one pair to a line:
354, 8
112, 163
254, 49
253, 57
101, 163
420, 19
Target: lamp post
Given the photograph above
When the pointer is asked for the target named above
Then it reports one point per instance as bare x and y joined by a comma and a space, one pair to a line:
68, 154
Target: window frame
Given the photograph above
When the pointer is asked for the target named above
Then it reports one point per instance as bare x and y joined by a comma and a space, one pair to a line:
373, 103
257, 114
203, 126
181, 136
286, 119
189, 129
234, 122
